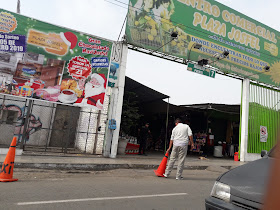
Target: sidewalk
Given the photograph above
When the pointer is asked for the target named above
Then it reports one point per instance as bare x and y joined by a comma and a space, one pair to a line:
97, 162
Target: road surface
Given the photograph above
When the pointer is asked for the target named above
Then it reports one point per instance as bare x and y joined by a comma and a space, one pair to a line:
116, 189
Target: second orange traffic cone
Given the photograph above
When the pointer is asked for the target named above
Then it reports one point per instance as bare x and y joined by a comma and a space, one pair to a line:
161, 169
6, 174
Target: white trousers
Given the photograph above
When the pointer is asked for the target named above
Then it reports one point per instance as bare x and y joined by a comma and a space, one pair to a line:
181, 153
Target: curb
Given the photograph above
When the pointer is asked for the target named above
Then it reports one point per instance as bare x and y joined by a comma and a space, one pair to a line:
98, 167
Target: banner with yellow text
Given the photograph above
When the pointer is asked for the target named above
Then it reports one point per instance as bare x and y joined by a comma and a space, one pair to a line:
251, 44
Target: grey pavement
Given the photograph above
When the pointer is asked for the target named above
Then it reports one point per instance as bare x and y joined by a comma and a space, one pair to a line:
61, 161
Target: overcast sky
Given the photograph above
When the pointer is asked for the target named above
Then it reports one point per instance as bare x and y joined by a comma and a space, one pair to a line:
104, 19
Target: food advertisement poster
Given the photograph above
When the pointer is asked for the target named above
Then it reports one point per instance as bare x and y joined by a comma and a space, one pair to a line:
43, 61
251, 45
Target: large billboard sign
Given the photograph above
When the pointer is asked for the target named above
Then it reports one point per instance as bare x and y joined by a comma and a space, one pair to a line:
251, 45
47, 62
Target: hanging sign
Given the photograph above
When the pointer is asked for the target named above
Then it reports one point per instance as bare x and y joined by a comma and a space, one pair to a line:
201, 70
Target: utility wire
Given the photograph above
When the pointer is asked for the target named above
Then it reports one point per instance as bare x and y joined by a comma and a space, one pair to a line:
115, 4
122, 26
121, 2
195, 29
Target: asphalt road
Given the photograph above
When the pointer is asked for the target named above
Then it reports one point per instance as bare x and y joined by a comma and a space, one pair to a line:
116, 189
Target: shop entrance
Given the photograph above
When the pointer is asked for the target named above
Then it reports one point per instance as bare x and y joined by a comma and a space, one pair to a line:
215, 126
183, 32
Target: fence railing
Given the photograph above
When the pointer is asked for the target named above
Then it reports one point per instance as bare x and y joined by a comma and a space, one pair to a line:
264, 110
48, 127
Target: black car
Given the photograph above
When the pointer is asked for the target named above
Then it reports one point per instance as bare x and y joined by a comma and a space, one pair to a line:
242, 187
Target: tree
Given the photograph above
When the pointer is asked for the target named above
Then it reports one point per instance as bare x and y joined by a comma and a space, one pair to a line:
130, 113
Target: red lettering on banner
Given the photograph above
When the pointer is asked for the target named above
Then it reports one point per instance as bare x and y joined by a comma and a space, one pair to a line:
96, 47
91, 40
94, 52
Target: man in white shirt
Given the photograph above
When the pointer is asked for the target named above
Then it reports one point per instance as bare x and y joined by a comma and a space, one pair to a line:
180, 137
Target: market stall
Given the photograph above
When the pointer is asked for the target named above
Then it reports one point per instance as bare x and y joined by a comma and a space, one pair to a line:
210, 123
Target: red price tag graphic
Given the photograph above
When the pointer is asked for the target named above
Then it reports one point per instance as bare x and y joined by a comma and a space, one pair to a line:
79, 67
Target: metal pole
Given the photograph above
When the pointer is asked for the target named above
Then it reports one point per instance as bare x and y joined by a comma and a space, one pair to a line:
108, 132
51, 121
69, 129
2, 108
88, 129
26, 121
18, 6
96, 131
166, 125
189, 53
244, 119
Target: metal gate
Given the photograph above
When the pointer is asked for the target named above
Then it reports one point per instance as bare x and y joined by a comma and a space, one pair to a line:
264, 106
54, 128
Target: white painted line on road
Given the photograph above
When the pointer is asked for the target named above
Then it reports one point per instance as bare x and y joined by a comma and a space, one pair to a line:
99, 199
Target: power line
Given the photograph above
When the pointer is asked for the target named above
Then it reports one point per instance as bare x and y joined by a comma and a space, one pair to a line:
124, 18
115, 4
122, 26
121, 2
267, 56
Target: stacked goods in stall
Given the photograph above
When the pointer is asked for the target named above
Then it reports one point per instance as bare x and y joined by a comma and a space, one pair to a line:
132, 147
199, 141
129, 143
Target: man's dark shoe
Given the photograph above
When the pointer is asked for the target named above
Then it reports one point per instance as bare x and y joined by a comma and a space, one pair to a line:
139, 154
145, 154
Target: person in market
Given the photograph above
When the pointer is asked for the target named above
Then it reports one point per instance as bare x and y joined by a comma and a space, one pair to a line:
181, 134
144, 134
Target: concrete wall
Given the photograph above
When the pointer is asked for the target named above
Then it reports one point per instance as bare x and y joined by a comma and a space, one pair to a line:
252, 156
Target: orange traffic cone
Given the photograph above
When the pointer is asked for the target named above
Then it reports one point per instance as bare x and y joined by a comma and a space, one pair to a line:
161, 169
6, 174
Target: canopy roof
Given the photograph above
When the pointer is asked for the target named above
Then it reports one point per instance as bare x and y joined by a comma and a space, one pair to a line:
226, 108
144, 93
152, 101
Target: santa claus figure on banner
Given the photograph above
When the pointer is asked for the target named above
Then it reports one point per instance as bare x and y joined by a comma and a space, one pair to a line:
94, 91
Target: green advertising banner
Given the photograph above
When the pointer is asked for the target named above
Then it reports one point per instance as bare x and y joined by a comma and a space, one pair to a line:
47, 62
251, 45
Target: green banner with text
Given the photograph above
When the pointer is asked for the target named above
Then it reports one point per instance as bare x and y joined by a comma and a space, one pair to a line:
47, 62
251, 44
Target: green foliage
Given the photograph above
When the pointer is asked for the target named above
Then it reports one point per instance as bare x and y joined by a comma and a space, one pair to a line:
130, 113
